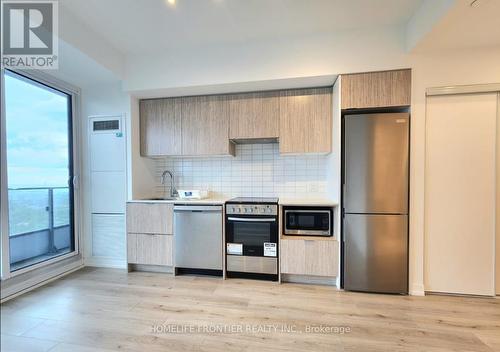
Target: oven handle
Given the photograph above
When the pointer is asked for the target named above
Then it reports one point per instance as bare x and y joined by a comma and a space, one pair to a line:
252, 219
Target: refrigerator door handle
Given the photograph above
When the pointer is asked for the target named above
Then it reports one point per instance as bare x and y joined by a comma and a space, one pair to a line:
344, 187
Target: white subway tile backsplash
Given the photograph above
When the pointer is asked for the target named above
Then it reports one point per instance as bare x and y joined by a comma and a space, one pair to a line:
257, 170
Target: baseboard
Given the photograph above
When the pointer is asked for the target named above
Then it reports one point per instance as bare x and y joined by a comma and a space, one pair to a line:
33, 283
105, 262
309, 279
417, 289
451, 294
151, 268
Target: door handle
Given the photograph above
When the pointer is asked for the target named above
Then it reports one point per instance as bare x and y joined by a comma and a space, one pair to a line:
251, 219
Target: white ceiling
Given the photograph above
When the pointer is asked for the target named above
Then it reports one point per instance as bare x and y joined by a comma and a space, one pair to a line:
466, 26
149, 26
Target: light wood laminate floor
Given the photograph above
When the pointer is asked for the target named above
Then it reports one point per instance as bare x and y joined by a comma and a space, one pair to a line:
110, 310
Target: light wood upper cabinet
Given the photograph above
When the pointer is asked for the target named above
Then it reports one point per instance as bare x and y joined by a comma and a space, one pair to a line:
205, 126
254, 115
160, 124
306, 120
376, 89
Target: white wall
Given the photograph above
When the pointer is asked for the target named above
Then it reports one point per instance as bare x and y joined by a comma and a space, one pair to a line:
106, 98
334, 166
141, 171
79, 35
335, 157
425, 19
307, 56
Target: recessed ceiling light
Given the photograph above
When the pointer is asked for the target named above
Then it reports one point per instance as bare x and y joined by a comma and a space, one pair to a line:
171, 2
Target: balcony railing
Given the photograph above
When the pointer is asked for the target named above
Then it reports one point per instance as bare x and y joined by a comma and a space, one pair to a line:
39, 224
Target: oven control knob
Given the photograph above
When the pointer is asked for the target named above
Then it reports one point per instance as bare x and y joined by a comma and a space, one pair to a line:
250, 210
238, 210
269, 210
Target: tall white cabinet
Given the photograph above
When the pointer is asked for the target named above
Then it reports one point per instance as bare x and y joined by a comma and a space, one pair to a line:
461, 185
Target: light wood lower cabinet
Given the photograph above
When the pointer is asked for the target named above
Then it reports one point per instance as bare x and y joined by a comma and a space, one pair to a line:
309, 257
150, 234
150, 249
154, 218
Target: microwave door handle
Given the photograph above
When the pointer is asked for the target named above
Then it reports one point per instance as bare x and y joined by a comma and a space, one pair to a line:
252, 219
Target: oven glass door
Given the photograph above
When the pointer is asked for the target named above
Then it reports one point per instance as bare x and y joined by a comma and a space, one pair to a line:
252, 233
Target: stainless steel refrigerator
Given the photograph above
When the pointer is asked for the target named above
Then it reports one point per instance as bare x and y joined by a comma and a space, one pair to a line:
375, 207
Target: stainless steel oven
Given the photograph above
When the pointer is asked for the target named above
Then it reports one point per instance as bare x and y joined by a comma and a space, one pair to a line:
252, 238
308, 221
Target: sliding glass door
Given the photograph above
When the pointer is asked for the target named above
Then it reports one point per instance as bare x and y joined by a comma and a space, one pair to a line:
39, 165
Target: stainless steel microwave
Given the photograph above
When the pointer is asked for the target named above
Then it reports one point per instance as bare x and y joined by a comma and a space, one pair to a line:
317, 221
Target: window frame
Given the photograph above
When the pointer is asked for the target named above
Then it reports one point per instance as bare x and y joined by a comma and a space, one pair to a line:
46, 81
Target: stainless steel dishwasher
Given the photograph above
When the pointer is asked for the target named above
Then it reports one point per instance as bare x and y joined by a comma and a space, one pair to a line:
198, 239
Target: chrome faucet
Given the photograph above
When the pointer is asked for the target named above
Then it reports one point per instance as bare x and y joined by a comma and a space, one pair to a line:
173, 191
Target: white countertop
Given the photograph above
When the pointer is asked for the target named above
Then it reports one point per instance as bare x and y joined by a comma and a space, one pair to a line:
320, 202
206, 201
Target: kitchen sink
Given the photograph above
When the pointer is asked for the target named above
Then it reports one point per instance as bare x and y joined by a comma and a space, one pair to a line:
163, 198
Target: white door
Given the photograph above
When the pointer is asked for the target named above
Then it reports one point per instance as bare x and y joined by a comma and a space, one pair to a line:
460, 180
